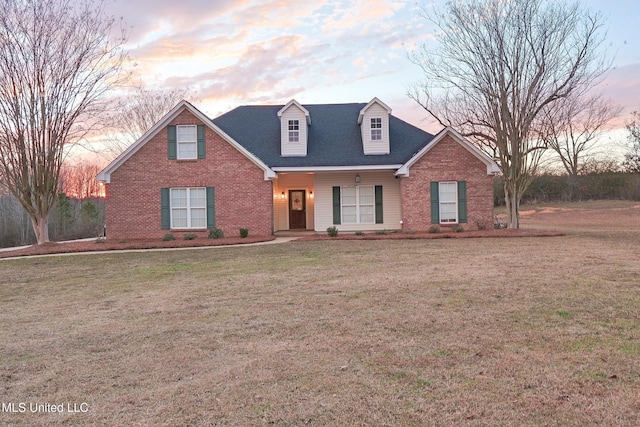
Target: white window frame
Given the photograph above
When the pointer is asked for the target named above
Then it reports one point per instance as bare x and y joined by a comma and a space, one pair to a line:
188, 208
448, 203
181, 143
294, 130
376, 128
358, 205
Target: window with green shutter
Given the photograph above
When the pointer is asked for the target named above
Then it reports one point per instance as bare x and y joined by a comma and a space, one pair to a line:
187, 207
337, 214
462, 201
201, 142
448, 202
172, 148
379, 206
165, 209
211, 207
435, 202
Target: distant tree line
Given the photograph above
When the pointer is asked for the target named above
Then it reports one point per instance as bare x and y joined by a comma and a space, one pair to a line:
599, 185
592, 179
78, 210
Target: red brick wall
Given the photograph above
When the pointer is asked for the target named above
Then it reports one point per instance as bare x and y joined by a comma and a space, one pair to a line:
243, 198
447, 161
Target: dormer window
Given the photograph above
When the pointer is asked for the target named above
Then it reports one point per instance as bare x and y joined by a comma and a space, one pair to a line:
187, 142
294, 131
376, 129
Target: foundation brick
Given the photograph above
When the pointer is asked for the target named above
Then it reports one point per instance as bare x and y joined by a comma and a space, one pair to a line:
243, 198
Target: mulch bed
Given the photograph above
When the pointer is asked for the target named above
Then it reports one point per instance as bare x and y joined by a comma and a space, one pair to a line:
444, 234
108, 245
114, 245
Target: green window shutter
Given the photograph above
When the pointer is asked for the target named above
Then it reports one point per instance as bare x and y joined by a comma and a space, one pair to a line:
435, 202
172, 140
378, 195
211, 207
462, 201
201, 144
165, 212
336, 205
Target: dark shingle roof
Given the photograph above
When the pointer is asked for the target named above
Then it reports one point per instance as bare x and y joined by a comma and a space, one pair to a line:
334, 136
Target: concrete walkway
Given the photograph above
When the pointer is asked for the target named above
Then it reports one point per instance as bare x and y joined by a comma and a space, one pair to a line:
122, 251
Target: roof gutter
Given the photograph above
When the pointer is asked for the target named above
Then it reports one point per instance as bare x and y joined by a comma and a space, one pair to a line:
303, 169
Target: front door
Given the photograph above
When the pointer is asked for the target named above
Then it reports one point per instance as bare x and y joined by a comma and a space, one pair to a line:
297, 210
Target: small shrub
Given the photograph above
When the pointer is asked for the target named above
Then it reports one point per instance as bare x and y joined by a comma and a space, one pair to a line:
167, 237
499, 223
215, 233
359, 233
434, 229
457, 228
190, 236
101, 240
382, 232
332, 231
481, 225
244, 232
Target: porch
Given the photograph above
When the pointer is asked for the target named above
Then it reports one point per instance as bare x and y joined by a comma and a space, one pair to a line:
294, 203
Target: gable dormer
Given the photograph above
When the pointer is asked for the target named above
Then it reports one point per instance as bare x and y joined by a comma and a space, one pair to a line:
374, 126
294, 123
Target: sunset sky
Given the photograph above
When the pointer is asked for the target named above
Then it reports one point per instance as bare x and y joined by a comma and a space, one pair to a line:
237, 52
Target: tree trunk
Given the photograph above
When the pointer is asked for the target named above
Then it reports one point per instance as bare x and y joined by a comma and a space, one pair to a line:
512, 200
41, 228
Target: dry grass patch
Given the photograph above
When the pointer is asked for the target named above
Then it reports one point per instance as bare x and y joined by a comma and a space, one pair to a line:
467, 332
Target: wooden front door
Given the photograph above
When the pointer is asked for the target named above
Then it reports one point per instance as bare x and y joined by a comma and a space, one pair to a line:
297, 210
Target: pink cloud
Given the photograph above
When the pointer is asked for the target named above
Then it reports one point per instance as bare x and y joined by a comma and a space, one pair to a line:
622, 86
264, 71
144, 16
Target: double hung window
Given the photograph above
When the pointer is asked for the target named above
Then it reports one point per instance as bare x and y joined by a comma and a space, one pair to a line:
376, 129
187, 142
448, 196
294, 131
189, 207
358, 205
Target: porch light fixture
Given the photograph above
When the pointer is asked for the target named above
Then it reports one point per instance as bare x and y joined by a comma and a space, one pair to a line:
282, 195
311, 194
357, 178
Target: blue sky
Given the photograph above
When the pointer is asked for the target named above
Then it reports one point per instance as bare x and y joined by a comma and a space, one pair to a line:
236, 52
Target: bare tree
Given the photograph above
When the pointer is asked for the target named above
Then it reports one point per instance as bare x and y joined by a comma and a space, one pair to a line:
498, 64
575, 125
57, 60
137, 114
79, 180
632, 157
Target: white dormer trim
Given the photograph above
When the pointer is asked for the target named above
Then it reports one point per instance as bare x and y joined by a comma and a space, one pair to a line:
375, 100
492, 166
294, 129
374, 127
105, 174
300, 107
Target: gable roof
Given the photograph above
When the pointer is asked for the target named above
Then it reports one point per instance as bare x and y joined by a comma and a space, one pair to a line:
300, 107
492, 166
105, 174
366, 107
334, 138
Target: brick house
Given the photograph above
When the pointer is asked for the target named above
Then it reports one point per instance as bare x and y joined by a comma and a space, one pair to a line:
294, 167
